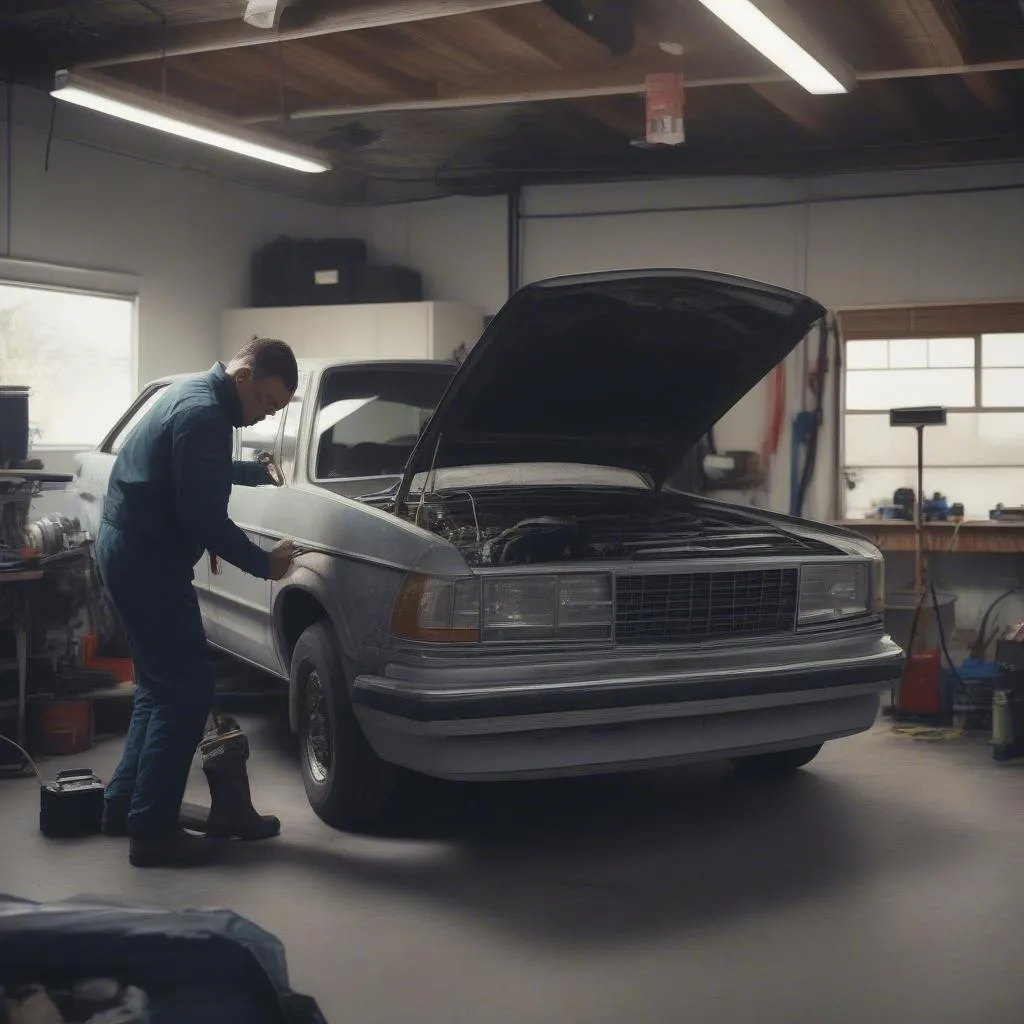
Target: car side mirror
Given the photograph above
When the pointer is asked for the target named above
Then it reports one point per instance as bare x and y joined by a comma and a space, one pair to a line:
266, 459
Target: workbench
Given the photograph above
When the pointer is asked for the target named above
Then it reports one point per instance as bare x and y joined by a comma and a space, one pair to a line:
971, 537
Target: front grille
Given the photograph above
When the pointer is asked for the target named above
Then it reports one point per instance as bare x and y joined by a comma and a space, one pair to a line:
695, 607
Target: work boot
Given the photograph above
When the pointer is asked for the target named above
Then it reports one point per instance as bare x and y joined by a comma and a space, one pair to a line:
232, 815
174, 850
115, 818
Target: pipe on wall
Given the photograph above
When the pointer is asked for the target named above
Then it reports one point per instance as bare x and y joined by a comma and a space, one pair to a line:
515, 238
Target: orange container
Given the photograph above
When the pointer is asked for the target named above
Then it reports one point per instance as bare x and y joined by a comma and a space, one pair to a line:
67, 726
920, 690
122, 669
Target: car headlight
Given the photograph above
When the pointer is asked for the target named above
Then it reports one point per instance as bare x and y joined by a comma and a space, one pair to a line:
438, 609
572, 607
465, 610
834, 591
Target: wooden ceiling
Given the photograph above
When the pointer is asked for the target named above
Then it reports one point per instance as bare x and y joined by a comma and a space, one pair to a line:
412, 98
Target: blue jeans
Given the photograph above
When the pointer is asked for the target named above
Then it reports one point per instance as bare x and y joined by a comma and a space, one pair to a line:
159, 613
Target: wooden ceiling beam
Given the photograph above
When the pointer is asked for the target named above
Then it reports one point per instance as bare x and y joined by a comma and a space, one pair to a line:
314, 18
349, 66
933, 31
626, 79
807, 112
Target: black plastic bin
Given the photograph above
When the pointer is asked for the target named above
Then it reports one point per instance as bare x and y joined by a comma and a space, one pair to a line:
387, 284
306, 271
196, 966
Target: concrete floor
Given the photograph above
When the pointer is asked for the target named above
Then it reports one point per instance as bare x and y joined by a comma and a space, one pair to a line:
884, 884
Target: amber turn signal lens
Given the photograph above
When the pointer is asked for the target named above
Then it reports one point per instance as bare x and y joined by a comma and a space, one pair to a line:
437, 609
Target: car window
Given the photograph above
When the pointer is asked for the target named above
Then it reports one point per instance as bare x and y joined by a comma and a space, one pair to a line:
368, 419
142, 405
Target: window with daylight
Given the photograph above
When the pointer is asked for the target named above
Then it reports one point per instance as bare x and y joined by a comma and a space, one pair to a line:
75, 351
978, 458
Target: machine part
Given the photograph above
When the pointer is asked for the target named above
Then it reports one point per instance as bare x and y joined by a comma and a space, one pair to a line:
906, 500
52, 534
71, 805
546, 539
489, 527
94, 995
935, 509
133, 1008
231, 815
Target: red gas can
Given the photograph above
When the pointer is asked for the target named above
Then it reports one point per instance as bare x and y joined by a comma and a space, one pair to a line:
920, 690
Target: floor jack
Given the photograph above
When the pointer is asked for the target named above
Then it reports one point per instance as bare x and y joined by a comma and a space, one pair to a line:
231, 815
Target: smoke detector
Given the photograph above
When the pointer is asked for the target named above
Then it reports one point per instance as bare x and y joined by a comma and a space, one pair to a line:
265, 14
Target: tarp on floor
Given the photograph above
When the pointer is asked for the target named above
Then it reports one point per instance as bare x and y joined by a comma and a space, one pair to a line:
196, 966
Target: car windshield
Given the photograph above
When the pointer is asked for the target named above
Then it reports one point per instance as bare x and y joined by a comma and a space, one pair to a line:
368, 418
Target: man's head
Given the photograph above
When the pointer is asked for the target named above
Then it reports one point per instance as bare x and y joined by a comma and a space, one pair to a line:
266, 377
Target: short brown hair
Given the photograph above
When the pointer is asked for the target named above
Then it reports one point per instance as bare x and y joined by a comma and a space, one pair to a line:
270, 358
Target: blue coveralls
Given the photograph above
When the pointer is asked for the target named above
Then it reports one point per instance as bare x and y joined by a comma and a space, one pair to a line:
167, 504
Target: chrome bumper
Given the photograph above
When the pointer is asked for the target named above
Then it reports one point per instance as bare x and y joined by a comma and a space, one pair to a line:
462, 700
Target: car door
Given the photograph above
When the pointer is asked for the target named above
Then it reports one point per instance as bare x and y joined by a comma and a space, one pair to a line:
240, 603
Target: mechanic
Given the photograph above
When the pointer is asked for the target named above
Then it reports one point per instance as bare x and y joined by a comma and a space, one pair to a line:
167, 504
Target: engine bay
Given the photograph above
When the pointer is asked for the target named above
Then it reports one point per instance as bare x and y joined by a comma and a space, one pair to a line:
500, 526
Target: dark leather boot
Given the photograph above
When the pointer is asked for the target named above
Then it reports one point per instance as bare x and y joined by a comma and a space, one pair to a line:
232, 815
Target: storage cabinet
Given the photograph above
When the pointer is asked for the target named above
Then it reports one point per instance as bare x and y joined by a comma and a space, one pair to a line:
405, 330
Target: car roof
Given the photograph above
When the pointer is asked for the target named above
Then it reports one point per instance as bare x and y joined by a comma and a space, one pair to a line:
317, 365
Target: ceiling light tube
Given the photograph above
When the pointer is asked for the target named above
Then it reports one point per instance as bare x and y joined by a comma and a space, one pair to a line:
751, 23
139, 107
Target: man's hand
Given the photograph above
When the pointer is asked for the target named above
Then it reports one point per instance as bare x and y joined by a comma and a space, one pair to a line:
281, 559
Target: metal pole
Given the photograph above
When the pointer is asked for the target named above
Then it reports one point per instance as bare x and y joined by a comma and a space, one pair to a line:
919, 517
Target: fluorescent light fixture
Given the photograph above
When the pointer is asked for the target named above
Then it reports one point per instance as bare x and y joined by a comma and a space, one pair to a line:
752, 24
140, 107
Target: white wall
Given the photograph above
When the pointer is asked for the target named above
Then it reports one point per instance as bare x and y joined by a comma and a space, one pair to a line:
186, 235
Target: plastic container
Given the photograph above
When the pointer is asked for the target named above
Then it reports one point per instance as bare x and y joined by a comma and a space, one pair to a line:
13, 425
67, 727
122, 669
899, 617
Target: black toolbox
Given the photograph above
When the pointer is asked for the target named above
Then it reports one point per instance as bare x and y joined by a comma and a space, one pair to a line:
306, 271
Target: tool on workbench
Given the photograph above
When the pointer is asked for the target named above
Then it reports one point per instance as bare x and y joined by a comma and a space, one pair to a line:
231, 815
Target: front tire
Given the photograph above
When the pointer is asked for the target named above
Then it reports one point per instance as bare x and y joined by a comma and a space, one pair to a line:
347, 784
780, 762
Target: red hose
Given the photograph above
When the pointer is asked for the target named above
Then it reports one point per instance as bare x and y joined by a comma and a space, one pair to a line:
778, 413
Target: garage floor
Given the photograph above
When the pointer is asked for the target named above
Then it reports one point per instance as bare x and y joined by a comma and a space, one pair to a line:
886, 884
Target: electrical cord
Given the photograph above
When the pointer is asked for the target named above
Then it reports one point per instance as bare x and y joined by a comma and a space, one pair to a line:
25, 754
964, 692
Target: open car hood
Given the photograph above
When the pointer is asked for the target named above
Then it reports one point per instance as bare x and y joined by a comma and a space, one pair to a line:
625, 369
